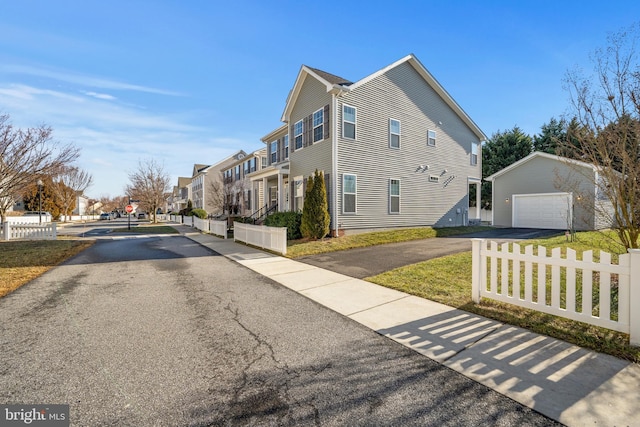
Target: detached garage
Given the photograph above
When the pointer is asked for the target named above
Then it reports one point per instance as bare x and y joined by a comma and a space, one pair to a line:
544, 191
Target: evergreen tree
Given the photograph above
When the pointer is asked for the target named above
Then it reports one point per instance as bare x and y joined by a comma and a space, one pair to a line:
552, 135
315, 213
503, 149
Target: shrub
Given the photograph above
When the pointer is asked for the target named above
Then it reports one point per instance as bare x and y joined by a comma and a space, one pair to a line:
200, 213
291, 220
315, 214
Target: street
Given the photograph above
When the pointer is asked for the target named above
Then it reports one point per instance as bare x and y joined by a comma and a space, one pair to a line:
159, 331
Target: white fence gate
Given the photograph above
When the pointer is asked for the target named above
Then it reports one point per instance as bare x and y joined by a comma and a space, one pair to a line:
13, 231
272, 238
510, 278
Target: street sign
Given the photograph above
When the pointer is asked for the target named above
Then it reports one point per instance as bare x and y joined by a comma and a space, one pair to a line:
129, 208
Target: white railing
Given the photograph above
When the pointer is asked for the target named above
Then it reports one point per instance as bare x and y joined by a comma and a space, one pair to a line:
272, 238
29, 219
595, 292
201, 224
219, 228
13, 231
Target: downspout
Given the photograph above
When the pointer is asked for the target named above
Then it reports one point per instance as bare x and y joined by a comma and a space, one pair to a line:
334, 162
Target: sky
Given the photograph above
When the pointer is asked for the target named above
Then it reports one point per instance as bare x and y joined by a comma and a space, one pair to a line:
194, 81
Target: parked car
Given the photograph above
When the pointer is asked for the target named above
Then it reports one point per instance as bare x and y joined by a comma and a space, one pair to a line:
142, 215
105, 215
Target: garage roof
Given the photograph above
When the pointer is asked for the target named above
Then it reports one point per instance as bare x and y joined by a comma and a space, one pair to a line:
534, 155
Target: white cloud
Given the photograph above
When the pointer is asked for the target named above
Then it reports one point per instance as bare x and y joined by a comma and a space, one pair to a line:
100, 95
82, 80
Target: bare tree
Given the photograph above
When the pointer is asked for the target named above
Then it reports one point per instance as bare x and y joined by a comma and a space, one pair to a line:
607, 109
70, 183
25, 156
150, 184
227, 195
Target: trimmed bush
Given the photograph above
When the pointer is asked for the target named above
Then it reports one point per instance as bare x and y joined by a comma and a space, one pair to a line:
291, 220
315, 213
200, 213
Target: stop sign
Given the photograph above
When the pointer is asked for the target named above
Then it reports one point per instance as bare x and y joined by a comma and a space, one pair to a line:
129, 209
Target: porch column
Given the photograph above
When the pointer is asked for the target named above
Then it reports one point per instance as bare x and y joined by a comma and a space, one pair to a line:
265, 192
478, 199
280, 194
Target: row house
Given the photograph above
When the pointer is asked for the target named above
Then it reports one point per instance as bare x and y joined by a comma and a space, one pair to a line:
243, 196
180, 195
395, 149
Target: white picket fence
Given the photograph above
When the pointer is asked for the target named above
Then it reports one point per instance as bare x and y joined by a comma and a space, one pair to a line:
26, 231
272, 238
219, 228
508, 276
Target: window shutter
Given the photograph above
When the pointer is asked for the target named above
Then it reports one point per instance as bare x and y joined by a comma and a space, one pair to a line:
326, 122
292, 143
278, 149
308, 130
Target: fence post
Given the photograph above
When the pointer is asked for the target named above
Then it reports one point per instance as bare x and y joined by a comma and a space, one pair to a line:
634, 297
476, 276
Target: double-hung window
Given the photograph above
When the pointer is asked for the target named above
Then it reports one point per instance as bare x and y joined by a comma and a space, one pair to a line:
474, 153
273, 152
237, 171
349, 193
297, 134
348, 122
431, 138
394, 133
394, 196
318, 125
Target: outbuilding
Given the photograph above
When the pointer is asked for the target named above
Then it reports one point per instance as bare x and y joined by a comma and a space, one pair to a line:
547, 191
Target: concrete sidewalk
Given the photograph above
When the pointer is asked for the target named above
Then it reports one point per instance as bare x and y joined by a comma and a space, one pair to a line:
570, 384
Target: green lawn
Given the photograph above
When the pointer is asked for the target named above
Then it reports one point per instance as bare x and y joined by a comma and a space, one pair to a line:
448, 280
298, 248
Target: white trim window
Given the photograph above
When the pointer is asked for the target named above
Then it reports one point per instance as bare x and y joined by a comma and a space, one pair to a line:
348, 121
298, 129
318, 125
285, 142
394, 196
394, 133
349, 193
273, 152
431, 138
474, 153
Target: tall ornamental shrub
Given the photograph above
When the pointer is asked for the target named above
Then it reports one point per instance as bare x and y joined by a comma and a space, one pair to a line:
315, 213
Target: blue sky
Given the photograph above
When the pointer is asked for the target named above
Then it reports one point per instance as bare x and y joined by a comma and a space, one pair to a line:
189, 82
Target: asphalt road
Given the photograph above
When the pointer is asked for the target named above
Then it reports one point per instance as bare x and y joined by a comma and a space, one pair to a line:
159, 331
370, 261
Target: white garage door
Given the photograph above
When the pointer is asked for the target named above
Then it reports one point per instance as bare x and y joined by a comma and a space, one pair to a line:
549, 210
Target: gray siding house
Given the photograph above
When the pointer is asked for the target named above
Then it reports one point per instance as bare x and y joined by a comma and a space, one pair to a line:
547, 191
396, 150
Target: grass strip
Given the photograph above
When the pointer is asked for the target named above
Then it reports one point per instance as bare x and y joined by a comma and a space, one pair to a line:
23, 261
299, 248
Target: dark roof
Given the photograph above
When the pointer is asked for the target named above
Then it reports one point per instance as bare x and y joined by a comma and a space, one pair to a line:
331, 78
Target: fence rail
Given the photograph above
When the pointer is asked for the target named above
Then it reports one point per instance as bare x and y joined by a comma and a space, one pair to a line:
25, 231
595, 292
219, 228
272, 238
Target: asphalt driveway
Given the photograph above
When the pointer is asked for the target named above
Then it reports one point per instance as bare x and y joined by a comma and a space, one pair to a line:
370, 261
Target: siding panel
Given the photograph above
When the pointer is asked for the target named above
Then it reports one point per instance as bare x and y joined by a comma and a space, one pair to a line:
402, 94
